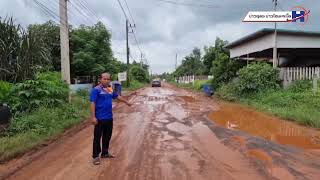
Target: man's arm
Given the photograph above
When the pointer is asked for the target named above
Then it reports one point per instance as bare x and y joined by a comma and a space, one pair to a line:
121, 99
93, 99
93, 113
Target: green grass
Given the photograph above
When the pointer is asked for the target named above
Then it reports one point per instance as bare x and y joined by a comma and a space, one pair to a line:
302, 107
34, 128
297, 103
134, 85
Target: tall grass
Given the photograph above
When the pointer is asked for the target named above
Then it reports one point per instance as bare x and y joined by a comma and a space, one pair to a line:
134, 85
32, 129
302, 107
297, 103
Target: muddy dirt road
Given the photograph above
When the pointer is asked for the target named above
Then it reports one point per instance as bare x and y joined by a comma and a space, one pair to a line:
167, 134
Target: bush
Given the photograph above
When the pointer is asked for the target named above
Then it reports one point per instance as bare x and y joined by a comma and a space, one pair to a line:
257, 77
84, 93
31, 129
300, 86
5, 88
224, 70
228, 92
198, 84
43, 120
46, 90
139, 74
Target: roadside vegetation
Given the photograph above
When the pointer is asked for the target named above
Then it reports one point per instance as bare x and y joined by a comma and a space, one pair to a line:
31, 85
41, 110
255, 84
197, 85
258, 86
139, 77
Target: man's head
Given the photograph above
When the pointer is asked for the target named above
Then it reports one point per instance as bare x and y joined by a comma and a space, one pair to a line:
105, 79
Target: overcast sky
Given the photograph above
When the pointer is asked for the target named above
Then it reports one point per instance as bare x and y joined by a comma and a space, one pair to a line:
164, 29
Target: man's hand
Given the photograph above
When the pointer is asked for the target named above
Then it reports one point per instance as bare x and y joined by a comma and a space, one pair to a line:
94, 121
121, 99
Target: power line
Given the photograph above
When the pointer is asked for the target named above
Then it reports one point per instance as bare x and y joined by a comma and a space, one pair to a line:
80, 10
49, 12
46, 10
122, 9
280, 6
135, 38
70, 13
129, 12
189, 4
120, 53
85, 6
134, 34
132, 57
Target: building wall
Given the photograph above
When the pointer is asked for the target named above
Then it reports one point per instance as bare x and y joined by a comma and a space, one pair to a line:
255, 45
267, 42
291, 41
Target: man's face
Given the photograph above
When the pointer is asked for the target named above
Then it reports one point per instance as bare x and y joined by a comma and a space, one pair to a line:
105, 80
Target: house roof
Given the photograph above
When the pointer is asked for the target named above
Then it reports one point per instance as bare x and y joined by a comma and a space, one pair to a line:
265, 31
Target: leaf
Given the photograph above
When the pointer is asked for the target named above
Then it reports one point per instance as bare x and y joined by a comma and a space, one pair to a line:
24, 93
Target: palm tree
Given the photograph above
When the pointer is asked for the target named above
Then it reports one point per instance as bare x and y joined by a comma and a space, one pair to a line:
22, 53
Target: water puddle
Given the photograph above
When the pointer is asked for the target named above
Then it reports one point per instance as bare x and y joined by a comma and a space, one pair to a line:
233, 116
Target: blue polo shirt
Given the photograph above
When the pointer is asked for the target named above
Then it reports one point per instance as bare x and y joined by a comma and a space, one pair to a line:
103, 100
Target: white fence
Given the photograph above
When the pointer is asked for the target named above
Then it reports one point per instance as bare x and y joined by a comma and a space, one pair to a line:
191, 79
289, 74
76, 87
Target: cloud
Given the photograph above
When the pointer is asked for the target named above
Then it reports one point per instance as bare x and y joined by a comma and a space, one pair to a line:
165, 29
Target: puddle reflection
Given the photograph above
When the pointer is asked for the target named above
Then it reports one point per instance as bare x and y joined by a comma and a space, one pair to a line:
234, 116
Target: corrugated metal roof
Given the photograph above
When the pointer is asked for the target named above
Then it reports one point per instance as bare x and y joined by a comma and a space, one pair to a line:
265, 31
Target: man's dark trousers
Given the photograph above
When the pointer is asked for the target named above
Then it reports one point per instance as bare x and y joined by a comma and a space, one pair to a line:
102, 129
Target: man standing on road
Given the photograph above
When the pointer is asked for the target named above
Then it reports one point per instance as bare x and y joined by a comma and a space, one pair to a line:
101, 115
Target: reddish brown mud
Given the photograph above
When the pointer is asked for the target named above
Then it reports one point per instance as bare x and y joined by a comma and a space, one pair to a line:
167, 134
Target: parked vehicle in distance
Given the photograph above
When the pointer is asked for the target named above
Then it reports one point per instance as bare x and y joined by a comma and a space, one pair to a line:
156, 83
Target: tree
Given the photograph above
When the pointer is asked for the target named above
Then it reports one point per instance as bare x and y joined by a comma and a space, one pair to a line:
139, 74
191, 65
224, 69
167, 76
50, 35
91, 51
212, 52
209, 56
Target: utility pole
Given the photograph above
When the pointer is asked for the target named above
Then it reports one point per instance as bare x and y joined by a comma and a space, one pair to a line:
275, 49
176, 64
128, 25
128, 53
141, 60
64, 41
